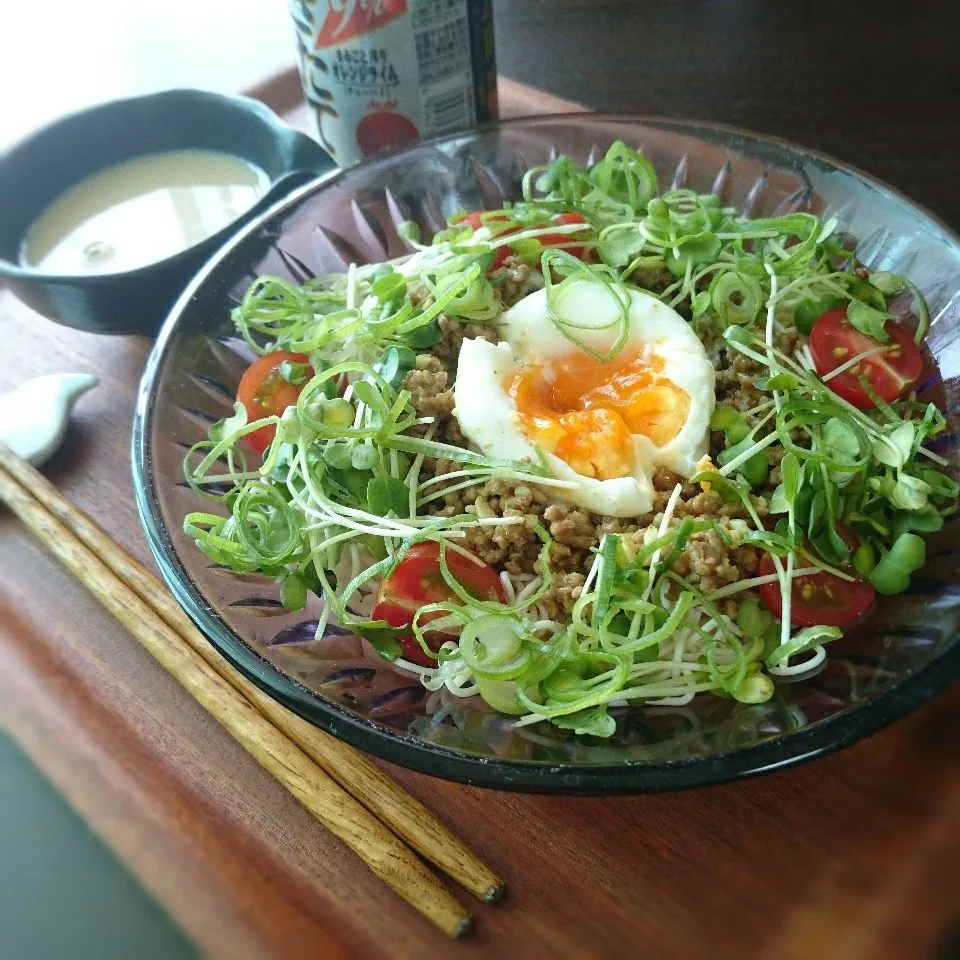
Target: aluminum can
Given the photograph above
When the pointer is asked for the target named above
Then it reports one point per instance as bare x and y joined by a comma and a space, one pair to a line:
377, 73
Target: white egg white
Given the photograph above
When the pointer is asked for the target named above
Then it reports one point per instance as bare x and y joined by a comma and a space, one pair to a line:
487, 414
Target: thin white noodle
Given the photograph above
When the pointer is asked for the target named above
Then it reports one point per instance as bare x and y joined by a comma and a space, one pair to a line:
434, 707
792, 670
678, 651
662, 532
592, 575
529, 590
711, 626
410, 667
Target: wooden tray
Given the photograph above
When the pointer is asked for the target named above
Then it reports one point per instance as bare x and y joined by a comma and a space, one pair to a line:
856, 855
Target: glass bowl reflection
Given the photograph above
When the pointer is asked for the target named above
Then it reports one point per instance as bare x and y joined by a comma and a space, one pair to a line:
904, 654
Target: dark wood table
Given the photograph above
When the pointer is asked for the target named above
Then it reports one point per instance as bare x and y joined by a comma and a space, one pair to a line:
875, 84
853, 856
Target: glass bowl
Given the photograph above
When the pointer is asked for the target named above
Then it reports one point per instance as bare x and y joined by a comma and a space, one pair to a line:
905, 653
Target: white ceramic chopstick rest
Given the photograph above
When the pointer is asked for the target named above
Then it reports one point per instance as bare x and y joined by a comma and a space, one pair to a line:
34, 416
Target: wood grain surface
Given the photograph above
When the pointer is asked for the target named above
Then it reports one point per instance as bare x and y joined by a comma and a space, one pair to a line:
853, 856
81, 546
385, 855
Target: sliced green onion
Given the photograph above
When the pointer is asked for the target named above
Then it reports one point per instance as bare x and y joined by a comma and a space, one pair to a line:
736, 297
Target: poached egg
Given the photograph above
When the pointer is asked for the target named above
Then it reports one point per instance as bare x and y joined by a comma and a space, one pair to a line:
603, 425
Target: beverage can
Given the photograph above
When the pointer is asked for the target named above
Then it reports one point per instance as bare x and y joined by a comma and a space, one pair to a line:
377, 73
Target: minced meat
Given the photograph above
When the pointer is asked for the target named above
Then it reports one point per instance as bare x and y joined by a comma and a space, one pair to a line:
428, 385
711, 561
707, 561
512, 281
562, 594
654, 279
452, 335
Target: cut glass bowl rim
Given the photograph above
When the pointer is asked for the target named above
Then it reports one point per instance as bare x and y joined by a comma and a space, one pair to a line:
631, 776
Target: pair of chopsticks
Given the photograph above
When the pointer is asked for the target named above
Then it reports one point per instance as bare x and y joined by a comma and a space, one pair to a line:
347, 793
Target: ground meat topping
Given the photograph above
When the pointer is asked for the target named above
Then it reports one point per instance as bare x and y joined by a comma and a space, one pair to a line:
709, 561
564, 592
571, 527
654, 279
512, 283
452, 334
428, 386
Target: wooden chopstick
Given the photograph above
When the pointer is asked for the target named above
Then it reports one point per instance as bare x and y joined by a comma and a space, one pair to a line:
402, 813
384, 853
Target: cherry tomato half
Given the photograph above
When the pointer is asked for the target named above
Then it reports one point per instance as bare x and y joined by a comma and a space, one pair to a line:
552, 239
265, 393
834, 341
820, 598
418, 580
474, 221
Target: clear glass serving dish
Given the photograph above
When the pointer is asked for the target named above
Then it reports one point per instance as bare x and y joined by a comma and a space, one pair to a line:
902, 656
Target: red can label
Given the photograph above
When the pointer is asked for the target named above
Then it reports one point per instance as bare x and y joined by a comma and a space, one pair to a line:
378, 73
351, 19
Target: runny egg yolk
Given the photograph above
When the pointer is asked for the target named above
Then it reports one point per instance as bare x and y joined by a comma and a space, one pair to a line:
586, 412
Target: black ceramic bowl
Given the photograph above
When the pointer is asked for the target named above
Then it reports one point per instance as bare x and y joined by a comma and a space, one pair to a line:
36, 171
904, 653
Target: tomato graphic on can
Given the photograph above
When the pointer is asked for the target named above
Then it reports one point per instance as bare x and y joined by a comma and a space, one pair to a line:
378, 131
